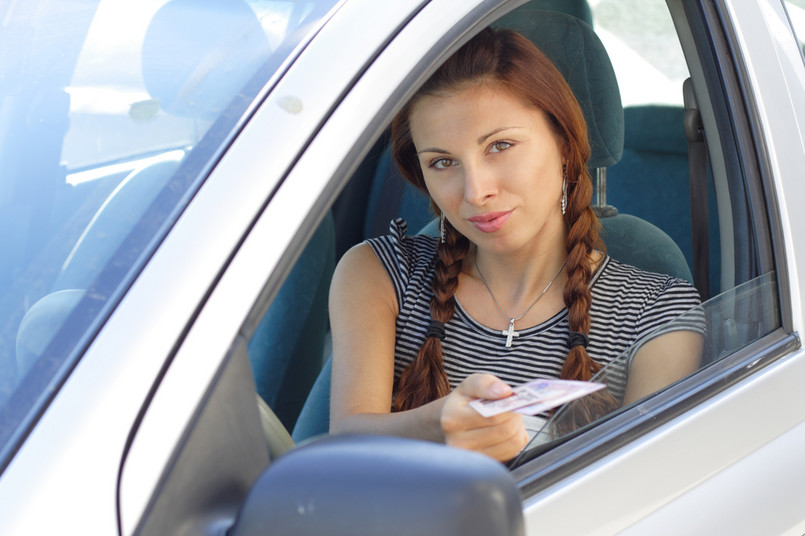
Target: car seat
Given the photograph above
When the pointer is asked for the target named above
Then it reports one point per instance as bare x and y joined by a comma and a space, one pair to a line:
653, 172
287, 349
106, 230
578, 53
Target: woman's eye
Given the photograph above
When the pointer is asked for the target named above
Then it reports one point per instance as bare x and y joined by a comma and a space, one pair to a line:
442, 163
500, 146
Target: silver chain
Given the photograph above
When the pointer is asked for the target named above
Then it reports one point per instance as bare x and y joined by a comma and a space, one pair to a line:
509, 318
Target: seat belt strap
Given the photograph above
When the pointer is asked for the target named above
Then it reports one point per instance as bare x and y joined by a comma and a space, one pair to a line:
697, 167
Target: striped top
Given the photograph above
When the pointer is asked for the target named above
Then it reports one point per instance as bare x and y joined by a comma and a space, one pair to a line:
627, 305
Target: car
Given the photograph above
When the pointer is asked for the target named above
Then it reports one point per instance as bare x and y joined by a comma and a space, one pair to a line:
178, 179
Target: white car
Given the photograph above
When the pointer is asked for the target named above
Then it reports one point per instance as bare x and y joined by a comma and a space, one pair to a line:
179, 177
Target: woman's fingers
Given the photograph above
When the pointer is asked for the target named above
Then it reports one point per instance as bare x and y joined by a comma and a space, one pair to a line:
503, 428
500, 436
508, 449
484, 386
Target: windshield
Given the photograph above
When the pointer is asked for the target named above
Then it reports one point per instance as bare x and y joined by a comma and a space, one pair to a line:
111, 114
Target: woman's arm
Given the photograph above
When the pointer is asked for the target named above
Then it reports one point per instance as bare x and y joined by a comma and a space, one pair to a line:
662, 361
363, 312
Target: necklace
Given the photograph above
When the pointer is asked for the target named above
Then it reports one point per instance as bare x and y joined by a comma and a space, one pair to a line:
510, 333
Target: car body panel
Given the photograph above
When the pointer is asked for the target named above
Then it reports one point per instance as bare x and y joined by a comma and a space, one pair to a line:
643, 480
660, 483
140, 384
772, 60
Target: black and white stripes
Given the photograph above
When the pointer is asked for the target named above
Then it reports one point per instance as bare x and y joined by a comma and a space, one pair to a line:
627, 305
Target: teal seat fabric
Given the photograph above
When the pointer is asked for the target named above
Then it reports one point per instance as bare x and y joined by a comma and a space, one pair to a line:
314, 419
639, 243
651, 179
287, 349
577, 8
391, 196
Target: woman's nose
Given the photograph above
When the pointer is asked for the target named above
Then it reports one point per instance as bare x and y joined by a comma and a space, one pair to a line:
480, 184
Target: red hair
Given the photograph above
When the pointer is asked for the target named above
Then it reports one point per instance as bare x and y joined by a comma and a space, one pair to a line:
508, 60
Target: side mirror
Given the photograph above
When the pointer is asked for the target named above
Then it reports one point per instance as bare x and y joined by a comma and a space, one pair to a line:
374, 485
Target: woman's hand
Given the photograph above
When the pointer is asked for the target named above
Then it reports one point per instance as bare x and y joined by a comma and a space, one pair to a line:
501, 436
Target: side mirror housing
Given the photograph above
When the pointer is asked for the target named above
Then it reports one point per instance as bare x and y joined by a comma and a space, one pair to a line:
374, 485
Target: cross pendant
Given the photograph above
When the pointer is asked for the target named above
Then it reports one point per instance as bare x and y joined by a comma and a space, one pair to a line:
510, 333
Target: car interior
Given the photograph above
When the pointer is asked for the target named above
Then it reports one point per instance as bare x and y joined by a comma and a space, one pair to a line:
639, 163
673, 192
677, 191
645, 157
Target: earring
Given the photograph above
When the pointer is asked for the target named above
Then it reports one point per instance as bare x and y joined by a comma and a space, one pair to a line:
441, 227
564, 196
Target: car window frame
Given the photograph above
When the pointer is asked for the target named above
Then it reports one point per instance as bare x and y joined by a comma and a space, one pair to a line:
711, 40
580, 451
690, 392
147, 461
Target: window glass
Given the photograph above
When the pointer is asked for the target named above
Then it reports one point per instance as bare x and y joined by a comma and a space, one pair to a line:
650, 180
725, 324
642, 44
109, 114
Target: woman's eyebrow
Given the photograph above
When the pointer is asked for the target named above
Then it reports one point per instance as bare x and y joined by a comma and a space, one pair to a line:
481, 140
496, 131
433, 150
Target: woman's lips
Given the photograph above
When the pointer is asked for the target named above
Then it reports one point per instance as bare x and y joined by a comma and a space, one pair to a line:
491, 221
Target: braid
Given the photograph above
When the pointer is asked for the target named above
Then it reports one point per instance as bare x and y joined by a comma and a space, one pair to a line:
582, 240
425, 380
511, 61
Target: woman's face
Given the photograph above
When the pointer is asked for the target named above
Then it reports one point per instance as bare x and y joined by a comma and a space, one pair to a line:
492, 165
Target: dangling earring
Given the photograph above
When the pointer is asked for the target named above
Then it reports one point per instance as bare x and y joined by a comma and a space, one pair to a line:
441, 227
564, 190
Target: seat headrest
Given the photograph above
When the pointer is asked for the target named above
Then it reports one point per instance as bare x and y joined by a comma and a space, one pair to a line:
578, 8
572, 45
656, 128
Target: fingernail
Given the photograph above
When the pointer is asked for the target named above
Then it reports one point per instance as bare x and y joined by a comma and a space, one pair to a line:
500, 389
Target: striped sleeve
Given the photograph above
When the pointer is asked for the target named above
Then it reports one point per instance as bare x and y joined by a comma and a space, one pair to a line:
403, 257
673, 307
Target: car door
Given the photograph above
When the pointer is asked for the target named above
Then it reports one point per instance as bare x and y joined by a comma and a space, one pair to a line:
640, 470
704, 455
644, 469
188, 440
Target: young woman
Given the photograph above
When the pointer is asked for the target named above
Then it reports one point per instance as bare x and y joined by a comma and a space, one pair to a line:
517, 287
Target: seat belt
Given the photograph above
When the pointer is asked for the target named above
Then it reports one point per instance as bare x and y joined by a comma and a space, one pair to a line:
697, 169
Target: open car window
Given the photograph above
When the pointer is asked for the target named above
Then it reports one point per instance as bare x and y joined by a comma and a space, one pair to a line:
650, 182
724, 324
